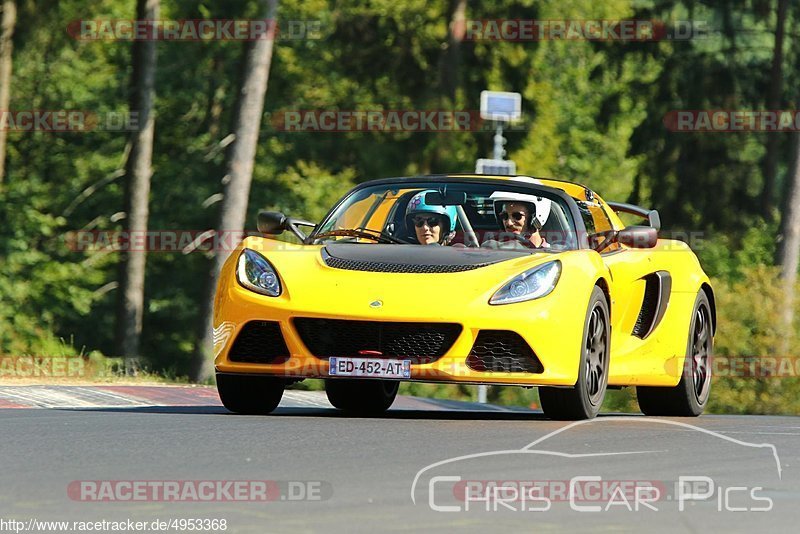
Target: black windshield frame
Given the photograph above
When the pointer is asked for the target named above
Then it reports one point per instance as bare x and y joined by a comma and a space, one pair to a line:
510, 184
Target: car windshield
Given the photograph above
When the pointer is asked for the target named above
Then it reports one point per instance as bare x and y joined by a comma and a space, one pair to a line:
475, 212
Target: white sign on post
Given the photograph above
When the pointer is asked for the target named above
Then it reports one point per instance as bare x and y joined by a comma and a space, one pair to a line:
501, 106
497, 167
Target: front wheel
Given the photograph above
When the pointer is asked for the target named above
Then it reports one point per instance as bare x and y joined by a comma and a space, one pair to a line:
250, 394
583, 401
360, 396
689, 397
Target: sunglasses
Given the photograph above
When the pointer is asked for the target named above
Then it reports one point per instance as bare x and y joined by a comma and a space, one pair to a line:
419, 222
517, 215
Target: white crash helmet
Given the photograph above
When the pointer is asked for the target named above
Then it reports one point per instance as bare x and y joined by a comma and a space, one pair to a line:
541, 204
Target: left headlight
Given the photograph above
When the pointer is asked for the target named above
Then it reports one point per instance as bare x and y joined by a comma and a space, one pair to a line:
532, 284
254, 272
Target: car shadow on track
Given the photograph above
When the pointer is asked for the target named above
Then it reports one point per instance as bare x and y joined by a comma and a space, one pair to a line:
315, 412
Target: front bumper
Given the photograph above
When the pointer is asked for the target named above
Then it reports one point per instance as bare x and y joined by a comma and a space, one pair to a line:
552, 327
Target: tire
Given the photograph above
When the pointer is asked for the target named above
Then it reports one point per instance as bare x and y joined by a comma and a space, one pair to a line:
361, 396
583, 401
690, 396
250, 394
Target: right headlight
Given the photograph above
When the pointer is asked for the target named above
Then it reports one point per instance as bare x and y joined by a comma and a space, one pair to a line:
254, 272
534, 283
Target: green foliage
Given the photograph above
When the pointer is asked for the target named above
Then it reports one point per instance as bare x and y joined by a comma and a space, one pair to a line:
701, 180
750, 333
304, 190
729, 256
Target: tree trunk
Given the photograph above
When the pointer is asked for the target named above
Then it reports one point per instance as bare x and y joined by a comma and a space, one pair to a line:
789, 246
451, 56
7, 24
236, 182
130, 302
773, 103
449, 74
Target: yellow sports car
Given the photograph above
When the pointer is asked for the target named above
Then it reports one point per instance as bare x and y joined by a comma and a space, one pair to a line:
466, 279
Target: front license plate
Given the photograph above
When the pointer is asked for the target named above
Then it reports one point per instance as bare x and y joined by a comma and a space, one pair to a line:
370, 367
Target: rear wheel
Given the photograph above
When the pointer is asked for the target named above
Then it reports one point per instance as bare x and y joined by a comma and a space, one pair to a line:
583, 401
250, 394
689, 397
361, 397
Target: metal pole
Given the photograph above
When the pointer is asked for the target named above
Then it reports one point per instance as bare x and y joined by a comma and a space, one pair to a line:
498, 154
498, 142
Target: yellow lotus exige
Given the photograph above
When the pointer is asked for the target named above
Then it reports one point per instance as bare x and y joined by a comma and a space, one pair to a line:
466, 279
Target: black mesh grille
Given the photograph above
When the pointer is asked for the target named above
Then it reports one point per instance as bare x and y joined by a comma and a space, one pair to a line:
418, 342
649, 307
385, 267
502, 351
259, 342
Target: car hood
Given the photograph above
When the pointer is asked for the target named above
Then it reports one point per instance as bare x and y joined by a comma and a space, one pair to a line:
413, 258
343, 279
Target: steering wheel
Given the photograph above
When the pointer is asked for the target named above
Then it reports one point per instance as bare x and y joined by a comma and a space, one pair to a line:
525, 241
495, 244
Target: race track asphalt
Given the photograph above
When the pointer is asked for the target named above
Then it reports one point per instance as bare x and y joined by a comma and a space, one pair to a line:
426, 465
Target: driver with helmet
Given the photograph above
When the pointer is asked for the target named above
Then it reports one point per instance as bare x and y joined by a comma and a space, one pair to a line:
432, 224
522, 215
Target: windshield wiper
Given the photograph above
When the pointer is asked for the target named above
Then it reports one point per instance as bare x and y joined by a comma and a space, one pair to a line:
366, 233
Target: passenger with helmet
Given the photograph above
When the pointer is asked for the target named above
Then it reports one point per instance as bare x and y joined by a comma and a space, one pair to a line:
522, 215
431, 224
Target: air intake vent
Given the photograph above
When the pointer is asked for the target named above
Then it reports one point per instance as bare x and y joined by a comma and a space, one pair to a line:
502, 351
654, 304
259, 342
418, 342
383, 267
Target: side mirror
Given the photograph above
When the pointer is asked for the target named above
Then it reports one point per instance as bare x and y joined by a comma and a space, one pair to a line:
275, 222
654, 219
271, 222
638, 236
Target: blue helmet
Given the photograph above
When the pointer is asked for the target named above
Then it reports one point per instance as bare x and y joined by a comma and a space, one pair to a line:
417, 205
